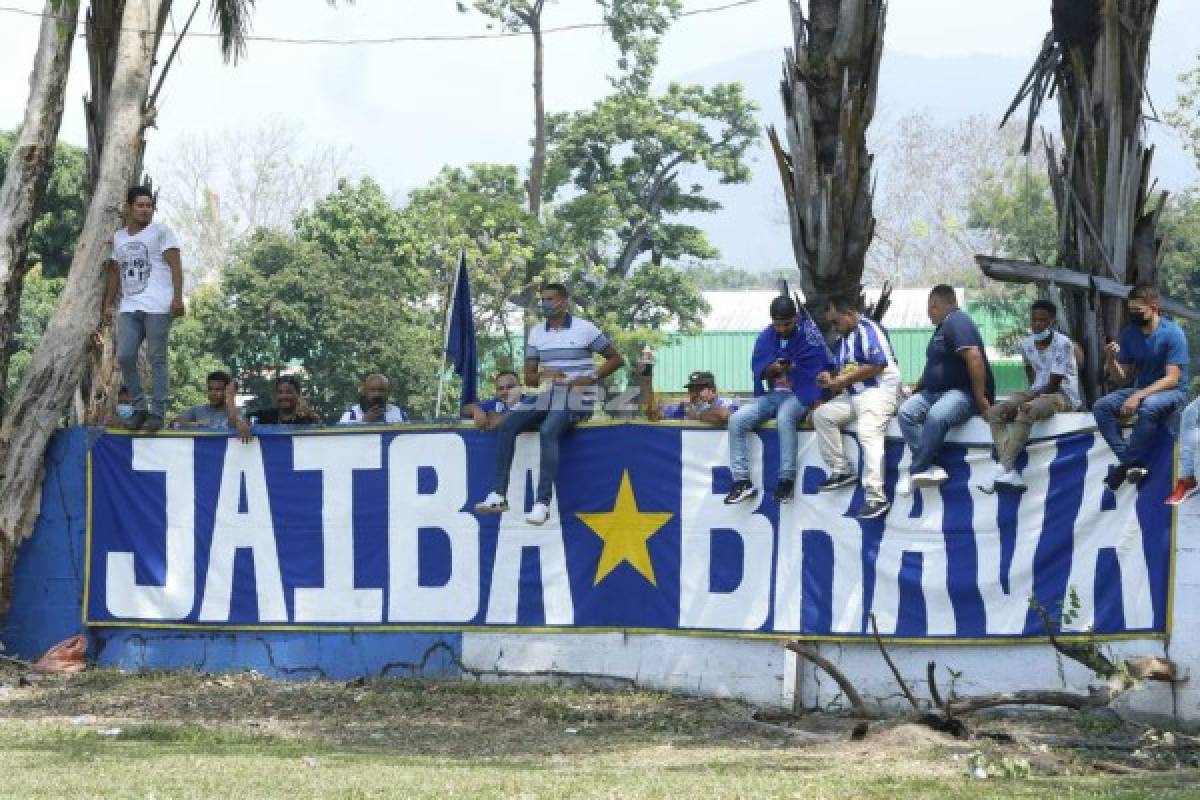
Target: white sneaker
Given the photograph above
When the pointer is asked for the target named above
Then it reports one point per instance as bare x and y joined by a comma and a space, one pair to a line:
492, 504
934, 476
1012, 481
904, 485
538, 514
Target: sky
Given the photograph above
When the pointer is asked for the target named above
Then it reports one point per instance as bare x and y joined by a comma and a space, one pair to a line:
406, 109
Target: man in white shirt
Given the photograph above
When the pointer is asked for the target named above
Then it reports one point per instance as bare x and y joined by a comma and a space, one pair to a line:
1053, 387
560, 350
146, 268
373, 406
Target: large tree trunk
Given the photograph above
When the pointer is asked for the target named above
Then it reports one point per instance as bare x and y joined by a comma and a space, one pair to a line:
829, 87
537, 166
59, 360
29, 165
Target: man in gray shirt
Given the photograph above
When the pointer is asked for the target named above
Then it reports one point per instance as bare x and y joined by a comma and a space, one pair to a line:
213, 414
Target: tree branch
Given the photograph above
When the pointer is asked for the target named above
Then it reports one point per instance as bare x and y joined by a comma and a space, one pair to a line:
892, 665
808, 653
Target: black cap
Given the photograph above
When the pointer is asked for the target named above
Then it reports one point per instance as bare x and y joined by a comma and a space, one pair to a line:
700, 380
783, 307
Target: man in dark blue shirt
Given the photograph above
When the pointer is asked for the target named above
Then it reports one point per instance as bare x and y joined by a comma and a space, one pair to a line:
1151, 361
787, 358
487, 414
957, 383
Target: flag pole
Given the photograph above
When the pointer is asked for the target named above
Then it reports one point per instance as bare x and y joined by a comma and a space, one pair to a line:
437, 407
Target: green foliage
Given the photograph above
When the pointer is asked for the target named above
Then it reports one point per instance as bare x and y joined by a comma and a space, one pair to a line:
1014, 207
189, 357
1185, 118
709, 277
38, 300
1180, 269
60, 214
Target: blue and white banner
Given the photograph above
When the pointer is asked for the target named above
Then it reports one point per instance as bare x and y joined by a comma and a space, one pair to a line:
373, 528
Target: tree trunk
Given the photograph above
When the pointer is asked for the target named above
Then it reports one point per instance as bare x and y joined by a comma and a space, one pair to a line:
537, 166
30, 163
59, 360
829, 87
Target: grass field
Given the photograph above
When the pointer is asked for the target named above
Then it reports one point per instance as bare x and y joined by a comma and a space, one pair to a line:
104, 734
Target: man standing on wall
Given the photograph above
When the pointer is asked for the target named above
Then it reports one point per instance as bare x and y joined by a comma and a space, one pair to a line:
560, 350
146, 267
1151, 361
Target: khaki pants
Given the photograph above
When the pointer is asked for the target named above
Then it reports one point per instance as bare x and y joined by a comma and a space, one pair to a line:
1012, 420
873, 409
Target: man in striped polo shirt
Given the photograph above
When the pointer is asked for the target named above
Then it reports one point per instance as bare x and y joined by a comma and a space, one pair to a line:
867, 386
560, 351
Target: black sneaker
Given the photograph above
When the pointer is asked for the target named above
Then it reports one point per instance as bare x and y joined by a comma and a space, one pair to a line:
837, 481
784, 490
873, 509
1136, 474
153, 423
136, 421
1116, 476
740, 492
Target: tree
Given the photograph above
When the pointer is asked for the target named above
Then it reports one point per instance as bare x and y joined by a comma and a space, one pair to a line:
829, 85
38, 299
27, 165
60, 214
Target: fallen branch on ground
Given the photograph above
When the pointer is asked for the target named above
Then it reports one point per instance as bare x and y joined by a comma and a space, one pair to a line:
892, 665
809, 653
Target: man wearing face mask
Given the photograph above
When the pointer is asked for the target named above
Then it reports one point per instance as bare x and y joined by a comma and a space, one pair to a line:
373, 406
1053, 387
487, 414
1151, 361
123, 410
560, 351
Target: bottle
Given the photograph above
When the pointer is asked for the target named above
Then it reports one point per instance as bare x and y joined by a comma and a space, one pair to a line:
646, 362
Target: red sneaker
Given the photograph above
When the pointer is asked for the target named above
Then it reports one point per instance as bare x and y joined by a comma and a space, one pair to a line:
1184, 488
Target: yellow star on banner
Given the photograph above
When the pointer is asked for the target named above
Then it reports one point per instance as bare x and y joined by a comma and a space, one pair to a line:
625, 531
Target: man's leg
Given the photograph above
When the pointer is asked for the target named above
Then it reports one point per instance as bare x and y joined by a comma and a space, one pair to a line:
158, 328
999, 419
552, 429
1189, 440
874, 409
787, 418
828, 420
506, 441
951, 408
1155, 410
741, 423
1107, 411
130, 332
911, 418
1035, 410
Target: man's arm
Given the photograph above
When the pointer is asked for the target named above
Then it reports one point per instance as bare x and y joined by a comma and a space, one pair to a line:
977, 372
1119, 374
715, 416
176, 264
1167, 382
612, 362
236, 420
863, 373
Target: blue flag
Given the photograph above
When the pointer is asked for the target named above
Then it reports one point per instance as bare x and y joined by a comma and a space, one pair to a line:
460, 334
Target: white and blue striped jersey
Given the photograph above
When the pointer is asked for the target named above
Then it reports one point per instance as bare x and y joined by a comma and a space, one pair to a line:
868, 345
569, 349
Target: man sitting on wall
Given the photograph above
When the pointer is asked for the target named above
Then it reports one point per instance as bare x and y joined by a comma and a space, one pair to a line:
487, 414
1053, 387
290, 408
957, 383
867, 386
787, 357
373, 406
1151, 360
704, 403
214, 413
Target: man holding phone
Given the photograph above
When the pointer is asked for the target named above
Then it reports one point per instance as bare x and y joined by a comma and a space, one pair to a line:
788, 356
373, 406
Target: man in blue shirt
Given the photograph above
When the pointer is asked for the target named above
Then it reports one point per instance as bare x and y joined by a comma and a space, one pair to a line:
704, 403
487, 414
787, 358
957, 383
1151, 361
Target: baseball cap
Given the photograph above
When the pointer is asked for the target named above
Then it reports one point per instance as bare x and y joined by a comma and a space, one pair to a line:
700, 379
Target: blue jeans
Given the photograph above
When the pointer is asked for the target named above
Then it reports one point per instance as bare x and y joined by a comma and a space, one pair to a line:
551, 424
787, 411
1155, 410
132, 328
926, 418
1189, 439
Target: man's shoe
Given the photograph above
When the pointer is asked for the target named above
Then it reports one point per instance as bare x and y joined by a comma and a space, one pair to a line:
153, 423
1136, 474
784, 490
904, 485
873, 509
1116, 477
494, 503
538, 514
837, 481
1011, 481
136, 421
934, 476
1184, 488
739, 492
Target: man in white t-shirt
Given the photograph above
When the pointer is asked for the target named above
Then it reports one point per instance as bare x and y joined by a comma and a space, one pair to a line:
146, 268
373, 406
1053, 387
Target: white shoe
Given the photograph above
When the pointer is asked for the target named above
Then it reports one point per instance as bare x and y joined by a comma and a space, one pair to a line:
492, 504
538, 514
1012, 481
934, 476
904, 486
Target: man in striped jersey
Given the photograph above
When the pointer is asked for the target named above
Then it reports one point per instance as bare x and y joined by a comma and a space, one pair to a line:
867, 387
560, 351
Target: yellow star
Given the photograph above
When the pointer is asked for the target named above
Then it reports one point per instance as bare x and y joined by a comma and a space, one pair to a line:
625, 531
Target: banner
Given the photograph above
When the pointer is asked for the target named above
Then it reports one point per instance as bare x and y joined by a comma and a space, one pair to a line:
373, 528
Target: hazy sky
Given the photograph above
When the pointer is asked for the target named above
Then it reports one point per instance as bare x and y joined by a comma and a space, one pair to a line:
408, 108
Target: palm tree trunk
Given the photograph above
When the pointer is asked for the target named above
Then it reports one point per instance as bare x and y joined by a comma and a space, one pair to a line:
58, 363
29, 165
